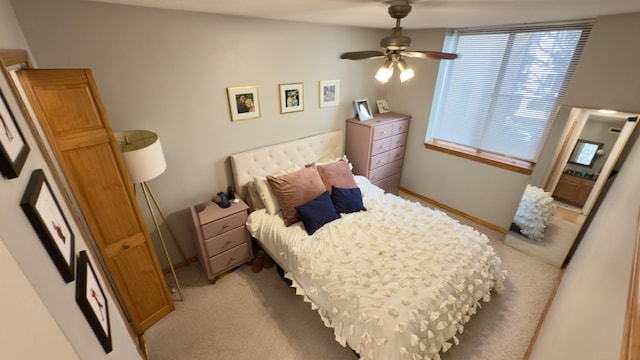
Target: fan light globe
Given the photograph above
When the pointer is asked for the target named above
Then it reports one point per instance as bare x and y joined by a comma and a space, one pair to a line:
406, 72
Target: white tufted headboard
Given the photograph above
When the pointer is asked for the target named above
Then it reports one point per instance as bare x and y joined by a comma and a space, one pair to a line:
271, 159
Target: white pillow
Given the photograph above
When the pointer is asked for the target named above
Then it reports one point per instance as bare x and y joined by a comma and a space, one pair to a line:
266, 194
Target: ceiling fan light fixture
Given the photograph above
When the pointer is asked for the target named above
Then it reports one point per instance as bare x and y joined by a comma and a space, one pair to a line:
406, 72
386, 70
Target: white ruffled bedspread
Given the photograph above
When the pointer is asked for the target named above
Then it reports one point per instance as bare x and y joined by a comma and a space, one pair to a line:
397, 281
534, 212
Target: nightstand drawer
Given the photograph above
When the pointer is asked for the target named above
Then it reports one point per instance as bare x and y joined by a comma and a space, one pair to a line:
225, 224
383, 131
229, 258
226, 241
380, 146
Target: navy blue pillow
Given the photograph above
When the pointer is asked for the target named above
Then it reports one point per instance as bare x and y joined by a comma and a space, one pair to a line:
347, 200
317, 212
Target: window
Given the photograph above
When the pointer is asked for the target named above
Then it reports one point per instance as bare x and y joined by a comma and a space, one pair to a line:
499, 97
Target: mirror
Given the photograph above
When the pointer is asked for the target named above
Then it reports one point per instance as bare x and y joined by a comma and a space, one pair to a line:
584, 150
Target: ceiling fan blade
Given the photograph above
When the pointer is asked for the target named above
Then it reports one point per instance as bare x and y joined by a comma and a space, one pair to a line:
429, 55
359, 55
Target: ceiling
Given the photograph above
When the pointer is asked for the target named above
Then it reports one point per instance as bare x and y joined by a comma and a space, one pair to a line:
425, 13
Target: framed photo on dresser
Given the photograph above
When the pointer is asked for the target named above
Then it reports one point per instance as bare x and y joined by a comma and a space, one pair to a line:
363, 109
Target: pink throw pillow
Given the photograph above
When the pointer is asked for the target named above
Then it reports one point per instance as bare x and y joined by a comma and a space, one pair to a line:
295, 189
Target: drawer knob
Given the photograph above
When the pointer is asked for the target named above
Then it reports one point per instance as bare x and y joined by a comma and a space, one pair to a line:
374, 177
384, 132
231, 259
126, 246
225, 226
380, 161
227, 242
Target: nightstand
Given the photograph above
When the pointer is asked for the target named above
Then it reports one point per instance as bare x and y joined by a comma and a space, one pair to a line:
221, 238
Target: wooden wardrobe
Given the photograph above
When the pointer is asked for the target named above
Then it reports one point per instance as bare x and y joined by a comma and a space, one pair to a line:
69, 109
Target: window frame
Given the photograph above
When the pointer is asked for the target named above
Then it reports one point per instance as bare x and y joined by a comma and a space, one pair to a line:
484, 156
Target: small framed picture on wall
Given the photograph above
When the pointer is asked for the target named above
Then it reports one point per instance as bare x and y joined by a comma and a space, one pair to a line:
244, 102
329, 93
291, 98
13, 148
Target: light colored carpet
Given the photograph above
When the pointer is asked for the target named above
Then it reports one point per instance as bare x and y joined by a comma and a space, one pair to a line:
556, 243
248, 315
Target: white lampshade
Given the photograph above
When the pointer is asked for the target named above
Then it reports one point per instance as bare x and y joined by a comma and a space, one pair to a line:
142, 154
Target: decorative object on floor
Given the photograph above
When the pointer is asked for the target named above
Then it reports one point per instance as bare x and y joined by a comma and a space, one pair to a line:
534, 212
258, 262
291, 98
90, 297
362, 109
46, 217
13, 148
329, 93
144, 159
395, 46
244, 102
383, 106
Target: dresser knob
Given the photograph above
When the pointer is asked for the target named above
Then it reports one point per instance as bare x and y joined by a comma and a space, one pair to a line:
126, 246
225, 226
227, 242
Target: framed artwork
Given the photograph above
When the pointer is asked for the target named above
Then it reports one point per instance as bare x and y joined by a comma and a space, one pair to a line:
291, 98
90, 297
13, 148
362, 109
46, 217
329, 93
244, 102
383, 106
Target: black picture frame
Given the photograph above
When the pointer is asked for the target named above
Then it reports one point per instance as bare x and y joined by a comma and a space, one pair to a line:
93, 302
14, 150
47, 219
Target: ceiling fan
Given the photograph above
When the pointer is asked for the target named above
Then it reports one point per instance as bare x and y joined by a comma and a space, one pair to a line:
395, 47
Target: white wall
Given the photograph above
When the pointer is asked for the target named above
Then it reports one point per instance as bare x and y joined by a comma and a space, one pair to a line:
586, 319
167, 71
40, 318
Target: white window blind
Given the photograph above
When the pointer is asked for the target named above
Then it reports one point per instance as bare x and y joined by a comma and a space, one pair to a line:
500, 95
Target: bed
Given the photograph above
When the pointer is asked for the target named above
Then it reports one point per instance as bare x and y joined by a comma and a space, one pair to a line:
534, 213
394, 279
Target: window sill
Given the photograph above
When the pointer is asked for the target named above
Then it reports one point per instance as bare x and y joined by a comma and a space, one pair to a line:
503, 162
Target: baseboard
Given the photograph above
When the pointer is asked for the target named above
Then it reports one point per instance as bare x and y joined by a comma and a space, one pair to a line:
455, 211
183, 263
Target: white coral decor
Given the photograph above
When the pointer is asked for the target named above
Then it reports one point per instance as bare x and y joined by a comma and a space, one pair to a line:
534, 212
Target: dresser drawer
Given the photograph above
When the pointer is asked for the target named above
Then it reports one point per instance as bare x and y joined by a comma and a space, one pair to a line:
219, 226
385, 171
399, 127
380, 146
226, 241
396, 154
229, 258
398, 140
379, 160
390, 184
382, 131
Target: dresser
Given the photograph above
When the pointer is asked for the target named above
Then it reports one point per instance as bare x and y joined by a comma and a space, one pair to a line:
376, 148
573, 190
221, 238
